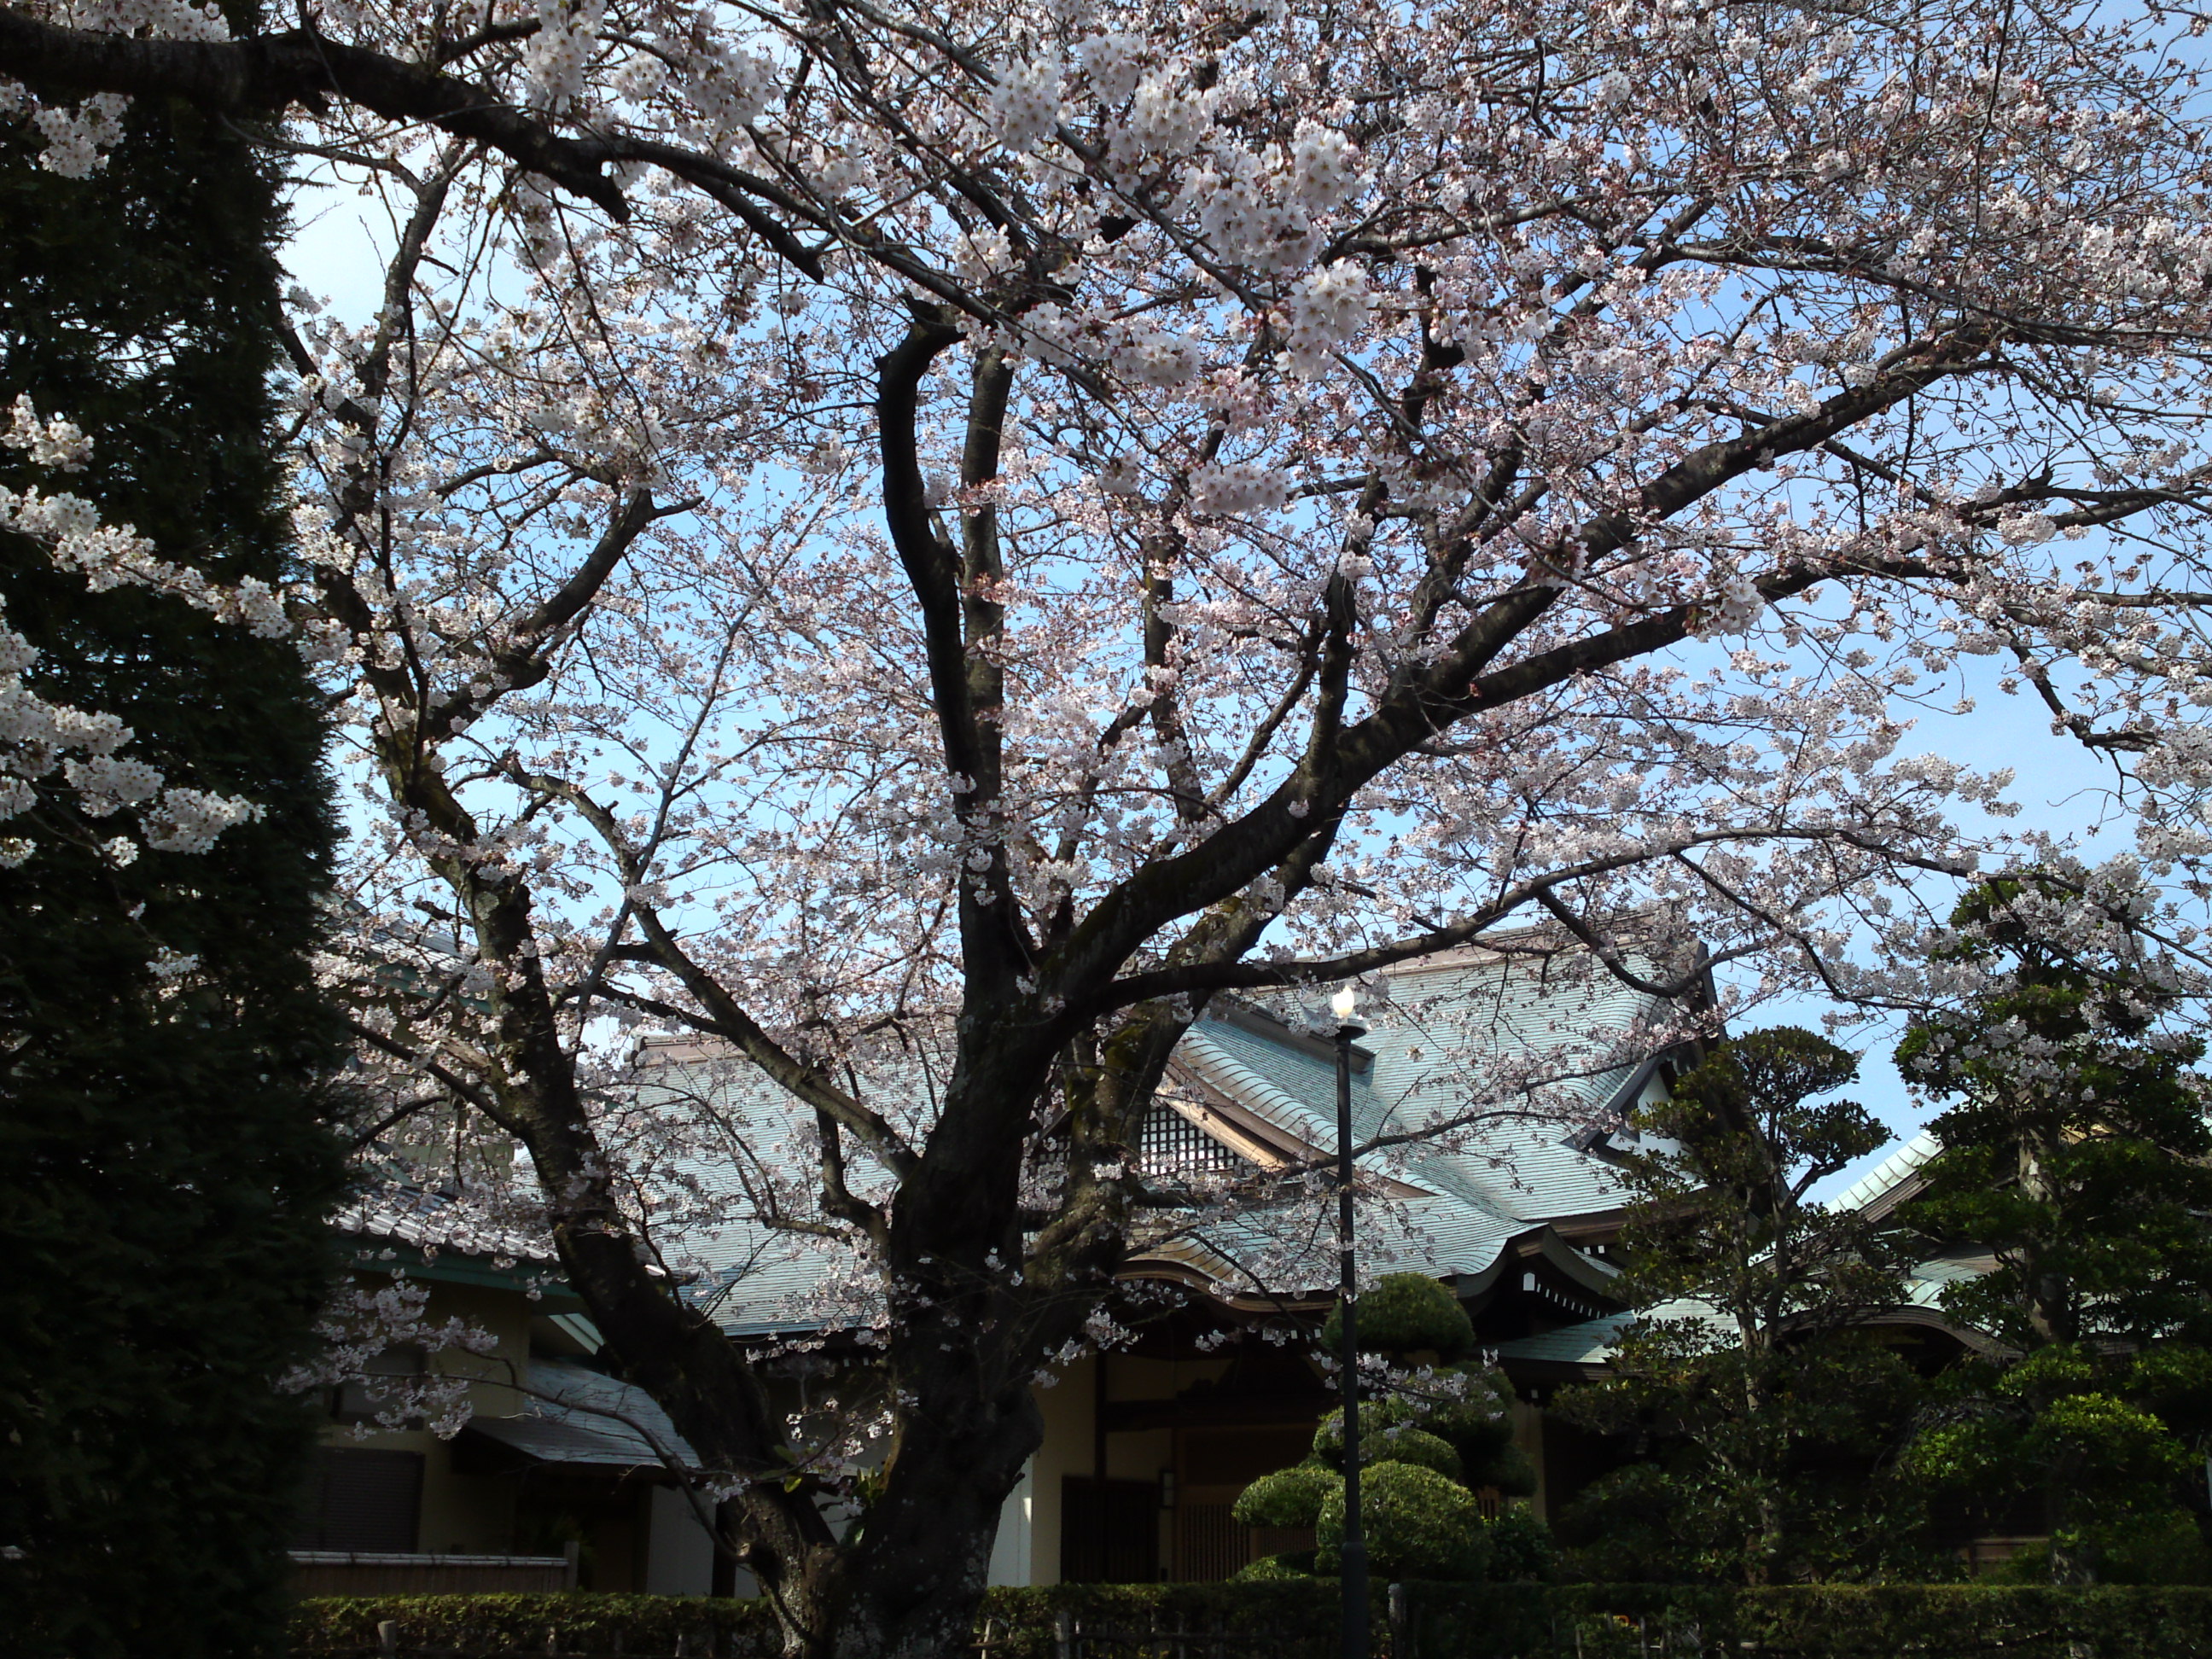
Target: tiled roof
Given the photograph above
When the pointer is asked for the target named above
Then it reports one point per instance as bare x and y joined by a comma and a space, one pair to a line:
756, 1280
1532, 1058
1430, 1235
436, 1221
1890, 1174
575, 1415
1587, 1344
1538, 1054
1591, 1342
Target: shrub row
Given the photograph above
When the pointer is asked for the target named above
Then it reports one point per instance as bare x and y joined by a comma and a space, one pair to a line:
1298, 1619
568, 1621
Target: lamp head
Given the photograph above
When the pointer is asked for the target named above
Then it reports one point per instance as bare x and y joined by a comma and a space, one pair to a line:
1345, 1003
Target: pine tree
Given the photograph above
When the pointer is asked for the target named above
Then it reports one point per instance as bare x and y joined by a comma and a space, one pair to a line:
2078, 1154
1743, 1367
164, 1182
2076, 1143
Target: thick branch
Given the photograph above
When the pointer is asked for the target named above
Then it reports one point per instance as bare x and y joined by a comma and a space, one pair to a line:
264, 75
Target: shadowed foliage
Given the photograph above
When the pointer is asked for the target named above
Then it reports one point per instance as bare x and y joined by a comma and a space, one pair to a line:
163, 1180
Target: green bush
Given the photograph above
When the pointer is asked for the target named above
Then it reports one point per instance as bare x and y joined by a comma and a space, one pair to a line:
2155, 1549
1288, 1498
2164, 1548
1629, 1525
1511, 1473
1478, 1429
590, 1621
1415, 1446
1521, 1550
1805, 1621
1418, 1525
1407, 1314
1294, 1617
1277, 1569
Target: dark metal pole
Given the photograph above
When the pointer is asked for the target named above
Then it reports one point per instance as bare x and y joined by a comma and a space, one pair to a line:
1354, 1550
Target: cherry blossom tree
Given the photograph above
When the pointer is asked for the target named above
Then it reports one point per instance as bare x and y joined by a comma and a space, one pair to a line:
921, 544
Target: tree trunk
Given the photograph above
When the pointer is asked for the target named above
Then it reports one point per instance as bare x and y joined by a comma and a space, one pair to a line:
910, 1586
2049, 1304
966, 1336
2074, 1557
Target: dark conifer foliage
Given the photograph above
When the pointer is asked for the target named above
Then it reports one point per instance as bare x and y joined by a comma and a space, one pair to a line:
2078, 1155
164, 1181
2076, 1146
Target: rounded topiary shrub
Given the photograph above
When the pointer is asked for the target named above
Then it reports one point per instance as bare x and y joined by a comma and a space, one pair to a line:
1328, 1440
1511, 1473
1478, 1427
1521, 1549
1389, 1436
1418, 1525
1415, 1446
1405, 1313
1469, 1406
1275, 1569
1288, 1498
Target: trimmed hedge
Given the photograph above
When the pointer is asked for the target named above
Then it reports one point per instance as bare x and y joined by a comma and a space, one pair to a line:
1406, 1314
586, 1621
1806, 1621
1297, 1619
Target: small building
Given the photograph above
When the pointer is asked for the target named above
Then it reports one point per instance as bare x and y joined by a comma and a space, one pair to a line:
560, 1476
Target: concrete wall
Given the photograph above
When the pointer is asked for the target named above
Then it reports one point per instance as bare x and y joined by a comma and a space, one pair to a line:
1070, 1448
1529, 1436
1067, 1408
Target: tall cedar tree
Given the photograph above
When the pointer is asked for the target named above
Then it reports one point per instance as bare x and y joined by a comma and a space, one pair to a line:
2077, 1152
164, 1184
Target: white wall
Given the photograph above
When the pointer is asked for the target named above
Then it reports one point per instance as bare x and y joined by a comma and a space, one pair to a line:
679, 1556
1012, 1553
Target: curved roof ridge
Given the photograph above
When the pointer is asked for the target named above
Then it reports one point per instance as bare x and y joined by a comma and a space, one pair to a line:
1890, 1174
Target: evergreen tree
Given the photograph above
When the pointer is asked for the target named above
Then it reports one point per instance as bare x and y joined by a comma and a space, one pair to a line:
1743, 1368
2078, 1154
164, 1182
2076, 1146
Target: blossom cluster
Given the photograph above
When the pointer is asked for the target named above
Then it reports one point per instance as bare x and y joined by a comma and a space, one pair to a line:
39, 738
109, 557
1026, 103
559, 53
363, 1322
1329, 308
42, 740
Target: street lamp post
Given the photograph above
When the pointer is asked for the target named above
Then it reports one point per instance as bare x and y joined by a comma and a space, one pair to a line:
1354, 1549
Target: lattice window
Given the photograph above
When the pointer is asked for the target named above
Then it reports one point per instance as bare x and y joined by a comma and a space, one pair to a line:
1173, 1146
1209, 1544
